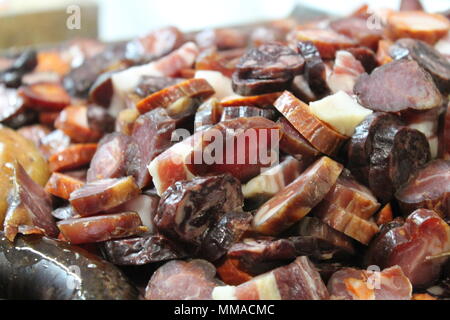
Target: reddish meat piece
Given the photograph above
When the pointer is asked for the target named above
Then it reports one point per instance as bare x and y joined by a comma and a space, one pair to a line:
179, 280
99, 119
346, 71
73, 157
61, 185
45, 96
149, 85
102, 90
230, 113
419, 247
358, 29
73, 121
405, 85
365, 56
260, 101
251, 87
222, 61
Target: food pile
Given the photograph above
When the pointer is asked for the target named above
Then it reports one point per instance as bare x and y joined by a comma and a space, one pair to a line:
292, 161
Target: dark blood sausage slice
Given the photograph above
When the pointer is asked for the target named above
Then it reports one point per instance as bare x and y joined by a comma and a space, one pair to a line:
39, 268
228, 230
252, 87
189, 209
427, 57
142, 250
429, 188
403, 84
353, 284
366, 56
29, 208
103, 195
230, 113
149, 85
359, 30
397, 154
180, 280
270, 61
109, 160
411, 5
360, 147
420, 247
101, 228
152, 135
315, 72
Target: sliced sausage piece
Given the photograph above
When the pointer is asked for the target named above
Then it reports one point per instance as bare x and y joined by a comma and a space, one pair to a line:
260, 101
398, 153
61, 185
317, 132
54, 142
427, 57
353, 284
293, 143
229, 271
193, 88
180, 280
428, 27
149, 85
429, 188
142, 250
101, 228
102, 90
227, 231
29, 208
270, 61
405, 85
269, 183
73, 157
152, 135
358, 29
48, 118
296, 200
208, 114
346, 71
315, 71
222, 39
366, 56
73, 121
297, 281
326, 41
189, 209
252, 87
109, 161
230, 113
103, 195
45, 96
419, 247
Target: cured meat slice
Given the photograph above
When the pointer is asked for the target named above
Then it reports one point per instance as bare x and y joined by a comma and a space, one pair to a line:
241, 147
359, 30
142, 250
223, 61
151, 84
317, 132
152, 135
340, 111
419, 247
125, 121
56, 141
429, 188
297, 199
398, 153
261, 101
270, 61
315, 71
61, 185
192, 88
405, 85
109, 160
101, 228
230, 113
365, 56
222, 39
427, 57
227, 231
294, 144
252, 87
189, 209
349, 196
428, 27
103, 195
45, 96
353, 284
297, 281
411, 5
48, 118
229, 271
180, 280
326, 41
208, 114
346, 70
29, 207
102, 90
73, 121
73, 157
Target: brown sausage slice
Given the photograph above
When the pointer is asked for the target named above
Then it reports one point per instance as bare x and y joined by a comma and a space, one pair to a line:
101, 228
252, 87
61, 185
405, 85
208, 114
261, 101
315, 70
230, 113
103, 195
429, 188
317, 132
296, 200
73, 121
72, 157
192, 88
45, 96
222, 61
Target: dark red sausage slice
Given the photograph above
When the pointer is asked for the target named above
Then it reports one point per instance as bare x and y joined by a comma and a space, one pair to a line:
315, 72
45, 96
150, 84
73, 157
73, 121
366, 56
230, 113
252, 87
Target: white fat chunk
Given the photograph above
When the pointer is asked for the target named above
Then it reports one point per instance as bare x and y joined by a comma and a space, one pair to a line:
221, 84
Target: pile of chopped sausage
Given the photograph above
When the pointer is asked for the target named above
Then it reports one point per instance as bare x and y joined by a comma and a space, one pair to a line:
290, 161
